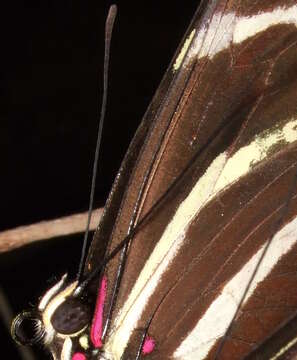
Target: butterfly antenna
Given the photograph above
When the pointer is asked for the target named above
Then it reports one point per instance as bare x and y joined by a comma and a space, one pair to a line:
108, 32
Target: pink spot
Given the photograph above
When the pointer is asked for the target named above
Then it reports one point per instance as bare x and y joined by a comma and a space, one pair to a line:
97, 323
78, 356
148, 346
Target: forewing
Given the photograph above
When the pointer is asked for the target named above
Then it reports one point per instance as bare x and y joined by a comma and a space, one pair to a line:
211, 192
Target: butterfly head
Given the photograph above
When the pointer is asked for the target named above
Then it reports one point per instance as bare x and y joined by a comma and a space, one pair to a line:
62, 322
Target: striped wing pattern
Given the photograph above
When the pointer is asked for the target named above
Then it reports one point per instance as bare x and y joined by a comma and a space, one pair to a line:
207, 198
211, 271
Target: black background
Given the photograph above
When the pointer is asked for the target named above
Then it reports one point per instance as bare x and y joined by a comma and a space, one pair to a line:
51, 71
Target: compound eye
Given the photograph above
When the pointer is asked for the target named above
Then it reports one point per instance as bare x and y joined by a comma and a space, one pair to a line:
27, 328
71, 317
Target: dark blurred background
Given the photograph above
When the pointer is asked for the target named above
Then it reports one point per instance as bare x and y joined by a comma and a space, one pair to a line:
51, 71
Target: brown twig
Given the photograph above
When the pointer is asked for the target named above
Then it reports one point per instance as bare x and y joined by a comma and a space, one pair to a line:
44, 230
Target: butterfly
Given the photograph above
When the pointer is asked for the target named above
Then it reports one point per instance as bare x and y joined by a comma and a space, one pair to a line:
195, 256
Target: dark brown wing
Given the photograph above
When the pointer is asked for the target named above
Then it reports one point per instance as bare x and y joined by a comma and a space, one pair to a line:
282, 344
212, 270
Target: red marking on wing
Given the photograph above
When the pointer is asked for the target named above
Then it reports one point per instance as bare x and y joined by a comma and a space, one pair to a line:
78, 356
148, 346
97, 323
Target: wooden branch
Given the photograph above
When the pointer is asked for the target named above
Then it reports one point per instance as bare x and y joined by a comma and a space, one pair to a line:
44, 230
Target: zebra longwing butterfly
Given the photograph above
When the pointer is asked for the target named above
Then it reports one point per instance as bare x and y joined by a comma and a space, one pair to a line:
203, 211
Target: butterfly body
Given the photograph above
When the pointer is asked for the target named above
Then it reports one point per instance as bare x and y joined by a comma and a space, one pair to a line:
206, 197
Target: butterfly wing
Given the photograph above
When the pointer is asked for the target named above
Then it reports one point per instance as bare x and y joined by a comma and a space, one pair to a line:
281, 344
209, 188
